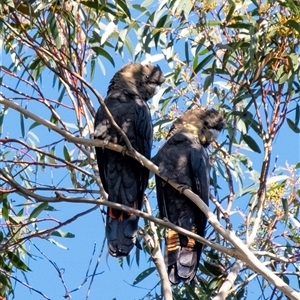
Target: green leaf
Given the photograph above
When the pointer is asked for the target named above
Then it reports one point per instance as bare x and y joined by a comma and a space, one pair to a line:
38, 210
51, 20
213, 23
251, 143
240, 26
137, 256
129, 46
22, 125
143, 275
2, 114
57, 244
124, 6
190, 292
158, 31
66, 153
5, 208
128, 260
62, 234
146, 3
293, 125
240, 294
231, 11
120, 261
293, 24
297, 115
285, 207
102, 52
213, 269
207, 82
17, 262
33, 125
4, 280
93, 65
202, 64
51, 159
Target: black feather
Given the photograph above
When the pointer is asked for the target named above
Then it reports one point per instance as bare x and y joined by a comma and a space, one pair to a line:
124, 178
183, 159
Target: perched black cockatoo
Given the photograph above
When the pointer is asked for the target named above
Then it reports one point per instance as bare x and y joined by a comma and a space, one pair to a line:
183, 159
124, 178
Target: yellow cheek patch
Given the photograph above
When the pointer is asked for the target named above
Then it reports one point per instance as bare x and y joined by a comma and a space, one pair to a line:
198, 132
191, 128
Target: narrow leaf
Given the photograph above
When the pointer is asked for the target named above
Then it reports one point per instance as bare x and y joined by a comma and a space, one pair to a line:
251, 143
102, 52
51, 20
143, 275
207, 82
17, 262
57, 244
22, 125
293, 126
123, 6
33, 125
293, 24
285, 207
231, 11
202, 64
66, 154
38, 210
62, 234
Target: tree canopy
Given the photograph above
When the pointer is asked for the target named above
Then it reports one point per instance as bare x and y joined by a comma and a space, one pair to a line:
240, 57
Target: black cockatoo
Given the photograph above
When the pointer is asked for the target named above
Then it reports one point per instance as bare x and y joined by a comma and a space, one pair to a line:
184, 160
124, 178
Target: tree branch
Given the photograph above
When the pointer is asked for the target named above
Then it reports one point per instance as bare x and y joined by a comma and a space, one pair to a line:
158, 258
224, 290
